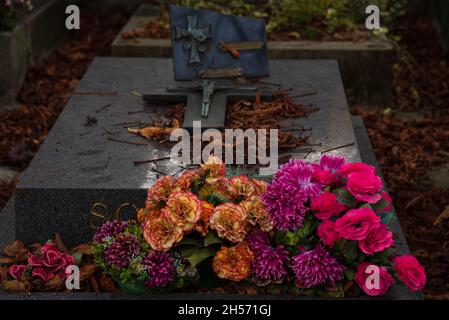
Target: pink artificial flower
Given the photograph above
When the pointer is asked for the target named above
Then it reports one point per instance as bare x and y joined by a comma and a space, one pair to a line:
326, 231
365, 186
324, 172
410, 271
378, 239
326, 206
50, 263
44, 274
349, 168
386, 280
17, 271
356, 223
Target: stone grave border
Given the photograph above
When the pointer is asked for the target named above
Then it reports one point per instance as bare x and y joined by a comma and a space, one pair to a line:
366, 67
32, 39
399, 292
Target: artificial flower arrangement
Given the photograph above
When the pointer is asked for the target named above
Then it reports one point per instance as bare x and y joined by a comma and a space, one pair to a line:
313, 230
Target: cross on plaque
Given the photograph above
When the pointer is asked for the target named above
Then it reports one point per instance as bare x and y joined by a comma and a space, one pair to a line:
236, 50
196, 38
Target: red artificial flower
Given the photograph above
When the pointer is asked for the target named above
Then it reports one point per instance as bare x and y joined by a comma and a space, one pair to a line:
326, 206
410, 271
370, 286
17, 271
356, 223
378, 239
349, 168
365, 186
50, 263
326, 231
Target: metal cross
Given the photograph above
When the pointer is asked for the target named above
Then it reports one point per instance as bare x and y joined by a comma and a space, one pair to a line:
197, 38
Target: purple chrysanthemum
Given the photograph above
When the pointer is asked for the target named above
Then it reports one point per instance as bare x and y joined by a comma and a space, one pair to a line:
160, 269
122, 250
258, 241
269, 266
316, 267
296, 176
331, 163
286, 208
110, 229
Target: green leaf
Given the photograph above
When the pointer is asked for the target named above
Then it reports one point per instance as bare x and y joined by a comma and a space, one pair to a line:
337, 292
367, 205
381, 205
287, 238
196, 255
135, 286
211, 238
78, 257
345, 197
217, 199
348, 248
188, 241
349, 274
382, 257
387, 217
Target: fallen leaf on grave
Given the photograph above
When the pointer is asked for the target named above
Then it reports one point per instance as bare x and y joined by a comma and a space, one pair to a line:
94, 284
250, 291
15, 286
3, 274
14, 248
59, 244
84, 249
87, 271
54, 283
152, 132
6, 261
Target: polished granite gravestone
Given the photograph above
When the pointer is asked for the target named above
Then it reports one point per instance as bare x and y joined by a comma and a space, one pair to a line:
78, 165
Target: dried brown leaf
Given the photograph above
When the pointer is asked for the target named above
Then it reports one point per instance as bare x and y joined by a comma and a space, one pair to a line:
3, 274
54, 284
59, 243
84, 249
94, 284
13, 249
107, 284
7, 261
87, 271
15, 286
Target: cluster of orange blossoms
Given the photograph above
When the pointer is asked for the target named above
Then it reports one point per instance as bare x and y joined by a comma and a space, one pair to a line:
176, 207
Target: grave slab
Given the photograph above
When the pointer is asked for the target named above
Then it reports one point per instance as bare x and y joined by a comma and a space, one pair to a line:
78, 166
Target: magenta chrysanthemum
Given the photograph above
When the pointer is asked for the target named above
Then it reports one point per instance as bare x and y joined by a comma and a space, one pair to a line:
160, 269
296, 176
122, 250
316, 267
269, 265
110, 229
258, 241
286, 208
